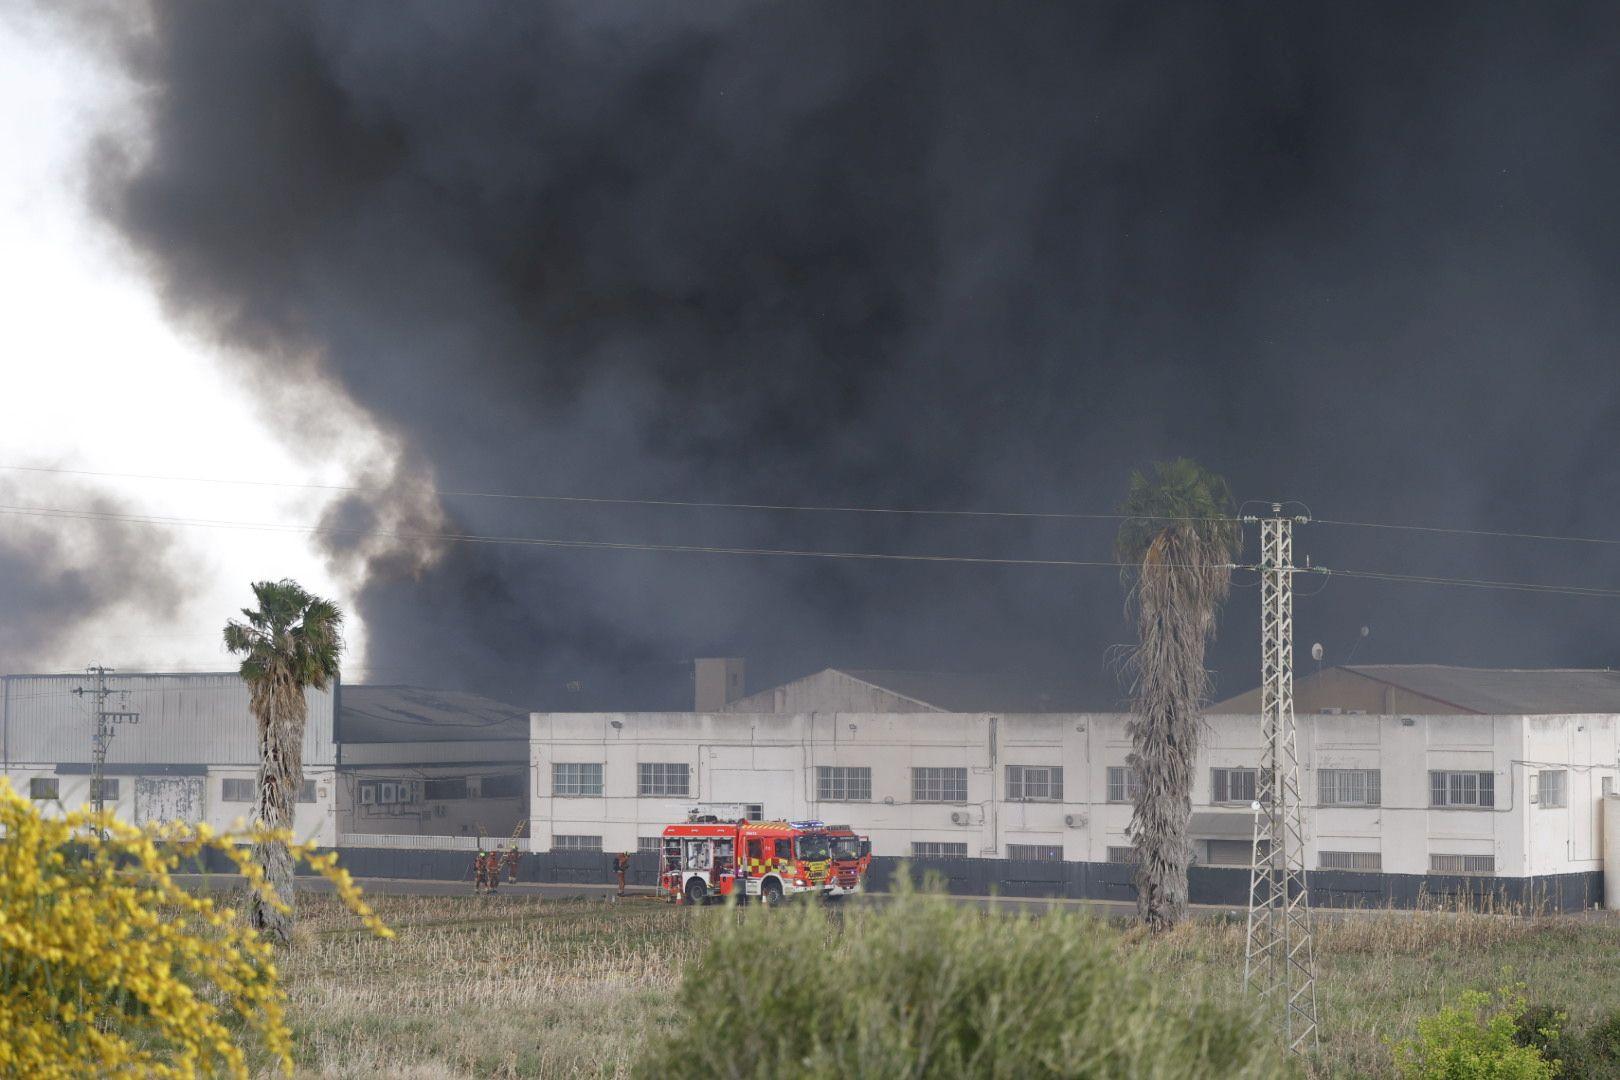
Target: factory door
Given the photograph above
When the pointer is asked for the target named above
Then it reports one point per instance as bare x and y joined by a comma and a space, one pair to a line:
168, 798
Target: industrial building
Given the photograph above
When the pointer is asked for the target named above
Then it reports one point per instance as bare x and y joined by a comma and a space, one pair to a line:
381, 763
185, 748
419, 762
1497, 778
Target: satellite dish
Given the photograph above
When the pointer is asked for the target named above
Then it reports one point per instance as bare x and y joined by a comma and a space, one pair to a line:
1365, 630
1316, 651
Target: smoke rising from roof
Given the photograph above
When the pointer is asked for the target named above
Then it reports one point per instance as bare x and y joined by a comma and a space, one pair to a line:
916, 255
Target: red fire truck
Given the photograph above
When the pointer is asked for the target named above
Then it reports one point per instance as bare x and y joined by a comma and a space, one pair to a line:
851, 855
706, 858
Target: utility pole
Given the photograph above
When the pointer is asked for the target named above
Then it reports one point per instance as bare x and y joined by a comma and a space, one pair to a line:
1279, 962
102, 732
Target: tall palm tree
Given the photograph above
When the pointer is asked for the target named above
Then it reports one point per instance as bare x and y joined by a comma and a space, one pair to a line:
292, 642
1180, 538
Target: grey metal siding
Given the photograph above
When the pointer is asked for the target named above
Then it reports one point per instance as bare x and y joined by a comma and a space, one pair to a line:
185, 718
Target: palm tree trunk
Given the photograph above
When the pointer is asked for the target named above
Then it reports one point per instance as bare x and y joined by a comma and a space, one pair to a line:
281, 715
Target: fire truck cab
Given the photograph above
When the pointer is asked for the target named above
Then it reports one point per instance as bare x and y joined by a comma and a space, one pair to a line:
771, 860
851, 856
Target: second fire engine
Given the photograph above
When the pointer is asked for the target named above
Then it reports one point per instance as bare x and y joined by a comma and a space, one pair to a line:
705, 858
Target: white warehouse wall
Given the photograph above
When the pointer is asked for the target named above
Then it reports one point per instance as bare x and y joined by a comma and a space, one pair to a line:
772, 759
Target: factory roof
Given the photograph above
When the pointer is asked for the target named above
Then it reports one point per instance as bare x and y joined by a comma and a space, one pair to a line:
418, 714
1504, 690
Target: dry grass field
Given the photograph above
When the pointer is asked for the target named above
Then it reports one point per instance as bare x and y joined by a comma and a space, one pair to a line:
517, 986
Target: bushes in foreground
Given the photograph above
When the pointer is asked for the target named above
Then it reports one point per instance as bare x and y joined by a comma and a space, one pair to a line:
110, 968
924, 988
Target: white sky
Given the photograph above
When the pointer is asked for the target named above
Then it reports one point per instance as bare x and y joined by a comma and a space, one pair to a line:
95, 379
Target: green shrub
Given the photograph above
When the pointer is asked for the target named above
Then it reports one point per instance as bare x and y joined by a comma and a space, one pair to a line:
1591, 1054
924, 988
1475, 1040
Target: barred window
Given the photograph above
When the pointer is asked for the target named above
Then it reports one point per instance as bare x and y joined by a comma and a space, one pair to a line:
1351, 860
1469, 789
1036, 852
306, 791
663, 778
502, 786
236, 790
1232, 785
649, 845
934, 849
1123, 784
844, 783
443, 790
1552, 788
939, 785
1034, 783
576, 778
561, 842
1121, 854
109, 789
1349, 787
1462, 864
45, 787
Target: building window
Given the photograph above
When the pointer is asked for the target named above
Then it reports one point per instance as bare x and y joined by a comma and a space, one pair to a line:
576, 843
236, 790
45, 787
1348, 787
840, 783
939, 785
1034, 783
109, 789
502, 786
306, 791
1470, 789
1351, 860
1231, 852
934, 849
1035, 852
443, 790
1121, 854
663, 778
1123, 784
1232, 785
1462, 864
576, 779
1552, 788
649, 845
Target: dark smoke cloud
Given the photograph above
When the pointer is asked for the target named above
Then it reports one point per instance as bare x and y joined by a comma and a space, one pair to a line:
65, 581
911, 254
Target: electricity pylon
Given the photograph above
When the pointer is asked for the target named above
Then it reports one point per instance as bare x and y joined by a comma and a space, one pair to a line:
101, 735
1279, 962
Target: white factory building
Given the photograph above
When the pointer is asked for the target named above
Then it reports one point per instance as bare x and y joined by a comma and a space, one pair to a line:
184, 748
383, 765
1407, 770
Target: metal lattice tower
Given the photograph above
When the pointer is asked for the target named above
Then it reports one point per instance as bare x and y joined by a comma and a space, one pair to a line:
1280, 963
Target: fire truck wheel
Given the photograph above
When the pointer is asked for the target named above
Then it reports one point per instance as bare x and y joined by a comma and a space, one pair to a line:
696, 891
771, 892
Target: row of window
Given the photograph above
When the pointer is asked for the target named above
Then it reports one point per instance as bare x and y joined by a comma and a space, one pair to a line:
654, 779
231, 791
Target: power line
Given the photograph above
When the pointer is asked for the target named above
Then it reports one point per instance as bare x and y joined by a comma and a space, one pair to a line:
551, 542
1472, 583
1500, 534
615, 501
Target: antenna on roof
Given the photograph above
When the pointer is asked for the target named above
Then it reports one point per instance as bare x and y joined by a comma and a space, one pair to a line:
1316, 654
1365, 631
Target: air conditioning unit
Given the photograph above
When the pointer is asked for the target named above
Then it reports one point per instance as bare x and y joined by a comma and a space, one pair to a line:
959, 817
1075, 821
368, 794
388, 794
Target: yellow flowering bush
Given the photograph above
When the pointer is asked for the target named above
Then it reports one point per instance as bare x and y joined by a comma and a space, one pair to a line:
109, 968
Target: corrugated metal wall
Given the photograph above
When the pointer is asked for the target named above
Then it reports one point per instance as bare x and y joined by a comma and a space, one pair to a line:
185, 719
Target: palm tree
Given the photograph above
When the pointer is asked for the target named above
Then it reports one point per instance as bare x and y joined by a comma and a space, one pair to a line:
292, 642
1180, 537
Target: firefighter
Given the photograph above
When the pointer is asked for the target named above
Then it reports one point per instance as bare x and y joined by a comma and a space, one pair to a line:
479, 875
621, 866
492, 870
511, 864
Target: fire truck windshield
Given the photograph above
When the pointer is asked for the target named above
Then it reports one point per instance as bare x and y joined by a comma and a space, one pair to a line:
846, 847
812, 848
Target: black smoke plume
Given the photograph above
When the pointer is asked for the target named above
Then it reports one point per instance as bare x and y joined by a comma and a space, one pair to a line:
911, 254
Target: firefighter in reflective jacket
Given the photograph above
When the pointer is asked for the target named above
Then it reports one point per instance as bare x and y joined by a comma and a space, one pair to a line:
621, 866
479, 874
511, 865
